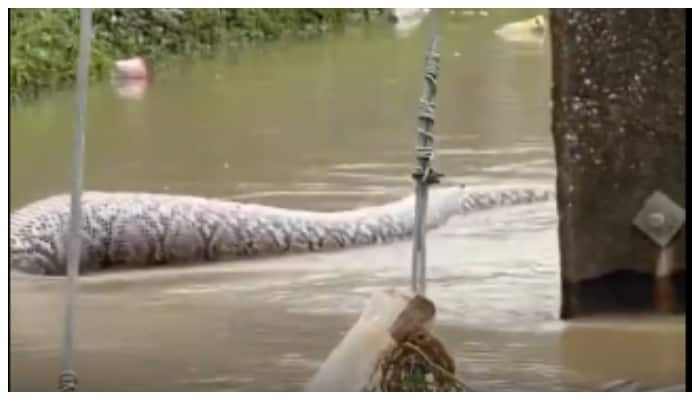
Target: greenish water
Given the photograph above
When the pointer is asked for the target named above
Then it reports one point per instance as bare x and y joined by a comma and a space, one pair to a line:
325, 124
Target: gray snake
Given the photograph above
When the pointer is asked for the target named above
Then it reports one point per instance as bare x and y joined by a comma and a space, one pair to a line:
142, 229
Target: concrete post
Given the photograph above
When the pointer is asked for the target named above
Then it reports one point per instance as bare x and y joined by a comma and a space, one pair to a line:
618, 120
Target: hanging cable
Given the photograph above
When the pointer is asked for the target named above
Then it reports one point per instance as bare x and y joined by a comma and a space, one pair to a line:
424, 174
68, 380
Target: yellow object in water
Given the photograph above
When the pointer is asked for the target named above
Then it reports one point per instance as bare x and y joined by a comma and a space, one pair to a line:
531, 30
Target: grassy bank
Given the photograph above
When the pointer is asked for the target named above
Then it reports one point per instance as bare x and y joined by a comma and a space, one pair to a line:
44, 42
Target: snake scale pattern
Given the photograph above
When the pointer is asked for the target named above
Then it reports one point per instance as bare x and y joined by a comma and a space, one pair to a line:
122, 229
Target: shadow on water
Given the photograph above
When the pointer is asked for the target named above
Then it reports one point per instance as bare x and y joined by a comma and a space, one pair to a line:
325, 124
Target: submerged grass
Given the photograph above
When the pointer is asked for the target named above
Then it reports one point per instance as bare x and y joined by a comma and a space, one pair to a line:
44, 42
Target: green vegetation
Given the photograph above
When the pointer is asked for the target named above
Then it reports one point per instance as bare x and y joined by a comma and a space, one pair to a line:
44, 42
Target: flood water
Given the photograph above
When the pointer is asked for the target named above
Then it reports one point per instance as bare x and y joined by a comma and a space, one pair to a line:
326, 124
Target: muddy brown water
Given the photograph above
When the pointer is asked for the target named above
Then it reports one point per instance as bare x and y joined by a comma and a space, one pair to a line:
325, 124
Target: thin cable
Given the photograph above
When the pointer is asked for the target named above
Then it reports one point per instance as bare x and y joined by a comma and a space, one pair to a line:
68, 380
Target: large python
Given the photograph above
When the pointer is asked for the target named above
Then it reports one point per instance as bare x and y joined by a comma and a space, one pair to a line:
141, 229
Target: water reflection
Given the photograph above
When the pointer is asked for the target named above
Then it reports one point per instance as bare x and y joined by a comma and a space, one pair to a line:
130, 88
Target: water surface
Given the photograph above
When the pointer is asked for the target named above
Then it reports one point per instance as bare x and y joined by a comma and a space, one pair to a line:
327, 124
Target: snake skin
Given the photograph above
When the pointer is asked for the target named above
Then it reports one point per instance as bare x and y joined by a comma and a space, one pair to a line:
140, 229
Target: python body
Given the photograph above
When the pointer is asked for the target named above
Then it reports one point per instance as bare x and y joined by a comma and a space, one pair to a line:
141, 229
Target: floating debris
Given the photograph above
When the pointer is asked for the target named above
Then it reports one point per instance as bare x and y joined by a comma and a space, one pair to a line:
397, 15
132, 68
131, 77
531, 30
406, 20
